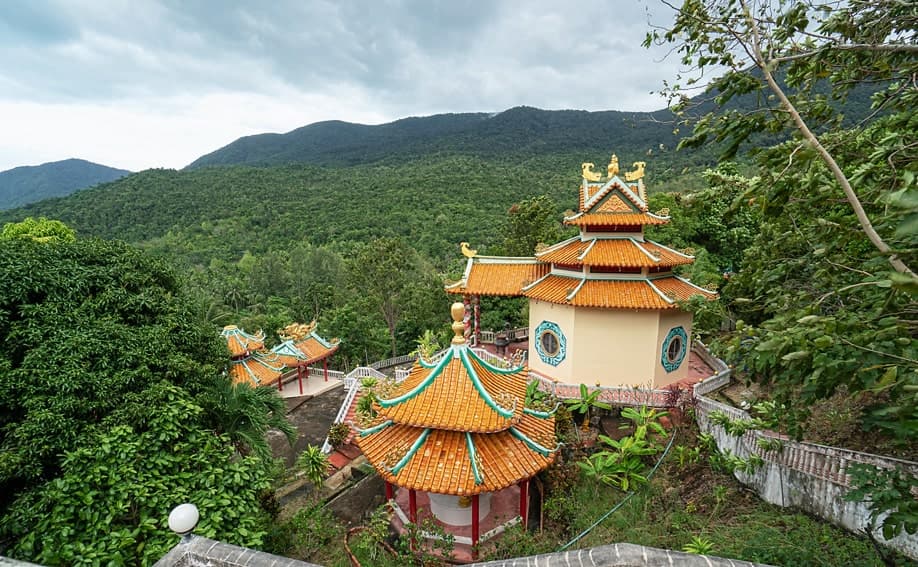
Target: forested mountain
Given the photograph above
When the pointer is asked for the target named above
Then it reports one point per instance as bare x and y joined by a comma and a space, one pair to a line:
30, 183
520, 131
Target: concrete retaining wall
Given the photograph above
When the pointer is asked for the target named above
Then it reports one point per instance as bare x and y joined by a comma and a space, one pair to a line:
807, 476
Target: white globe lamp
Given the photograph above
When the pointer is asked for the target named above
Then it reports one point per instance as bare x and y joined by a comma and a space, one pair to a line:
183, 518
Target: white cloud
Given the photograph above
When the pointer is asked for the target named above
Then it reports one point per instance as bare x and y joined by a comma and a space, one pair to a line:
151, 84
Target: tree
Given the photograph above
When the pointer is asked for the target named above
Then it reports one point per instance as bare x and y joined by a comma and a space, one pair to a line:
111, 499
84, 324
104, 375
529, 223
754, 44
384, 271
245, 414
41, 229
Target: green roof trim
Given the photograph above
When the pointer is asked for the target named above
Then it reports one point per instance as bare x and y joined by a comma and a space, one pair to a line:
414, 449
473, 376
375, 428
532, 444
472, 454
542, 414
417, 389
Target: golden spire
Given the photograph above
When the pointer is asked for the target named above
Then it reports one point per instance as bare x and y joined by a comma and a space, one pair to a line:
613, 166
457, 310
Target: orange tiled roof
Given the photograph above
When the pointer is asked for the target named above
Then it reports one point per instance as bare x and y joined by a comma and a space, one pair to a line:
258, 370
498, 278
440, 461
238, 342
615, 252
458, 426
659, 293
445, 396
615, 219
680, 289
305, 351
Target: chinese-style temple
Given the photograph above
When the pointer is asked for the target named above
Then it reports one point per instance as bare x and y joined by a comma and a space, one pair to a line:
302, 347
456, 436
603, 305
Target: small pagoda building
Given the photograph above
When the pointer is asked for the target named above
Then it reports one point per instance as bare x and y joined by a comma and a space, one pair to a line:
603, 305
302, 347
457, 437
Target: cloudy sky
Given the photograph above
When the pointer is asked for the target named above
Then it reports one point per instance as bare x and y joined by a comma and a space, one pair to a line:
157, 83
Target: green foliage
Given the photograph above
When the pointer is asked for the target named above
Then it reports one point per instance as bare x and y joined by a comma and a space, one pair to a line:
338, 434
245, 414
887, 491
111, 499
84, 325
311, 530
699, 545
428, 345
620, 465
529, 223
314, 465
40, 230
586, 403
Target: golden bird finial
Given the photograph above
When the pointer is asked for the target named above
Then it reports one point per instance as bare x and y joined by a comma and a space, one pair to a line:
466, 251
588, 173
638, 172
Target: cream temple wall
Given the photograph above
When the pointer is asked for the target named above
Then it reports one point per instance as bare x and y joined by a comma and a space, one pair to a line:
612, 347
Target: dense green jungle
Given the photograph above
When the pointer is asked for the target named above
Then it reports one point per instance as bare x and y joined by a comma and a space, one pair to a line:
112, 402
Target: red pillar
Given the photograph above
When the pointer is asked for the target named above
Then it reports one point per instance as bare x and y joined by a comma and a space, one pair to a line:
325, 368
412, 506
280, 382
524, 501
299, 377
477, 314
389, 494
475, 528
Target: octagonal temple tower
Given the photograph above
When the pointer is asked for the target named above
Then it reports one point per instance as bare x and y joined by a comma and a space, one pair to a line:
603, 305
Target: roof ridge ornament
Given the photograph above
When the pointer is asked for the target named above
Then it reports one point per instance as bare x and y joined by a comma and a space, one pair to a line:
457, 311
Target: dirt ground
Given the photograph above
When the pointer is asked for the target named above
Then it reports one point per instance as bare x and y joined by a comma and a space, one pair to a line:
312, 416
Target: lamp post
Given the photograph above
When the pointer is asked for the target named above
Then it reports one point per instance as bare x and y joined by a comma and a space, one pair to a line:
183, 519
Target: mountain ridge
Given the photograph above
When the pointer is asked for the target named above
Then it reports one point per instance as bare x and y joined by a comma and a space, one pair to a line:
30, 183
516, 131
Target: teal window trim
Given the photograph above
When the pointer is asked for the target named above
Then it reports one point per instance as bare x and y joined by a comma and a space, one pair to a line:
670, 364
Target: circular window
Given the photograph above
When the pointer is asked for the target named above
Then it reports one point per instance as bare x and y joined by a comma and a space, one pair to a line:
550, 343
674, 348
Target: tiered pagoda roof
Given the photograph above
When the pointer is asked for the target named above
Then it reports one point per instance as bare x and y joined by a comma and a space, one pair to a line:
252, 363
241, 343
459, 426
302, 346
609, 264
